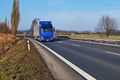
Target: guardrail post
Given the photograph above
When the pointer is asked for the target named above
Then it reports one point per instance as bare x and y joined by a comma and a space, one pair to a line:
28, 45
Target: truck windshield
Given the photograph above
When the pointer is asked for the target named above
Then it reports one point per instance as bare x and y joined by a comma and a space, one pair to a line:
46, 28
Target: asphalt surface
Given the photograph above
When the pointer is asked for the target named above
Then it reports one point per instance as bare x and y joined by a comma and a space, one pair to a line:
100, 61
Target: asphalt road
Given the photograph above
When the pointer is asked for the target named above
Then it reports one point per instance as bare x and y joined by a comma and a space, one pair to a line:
100, 61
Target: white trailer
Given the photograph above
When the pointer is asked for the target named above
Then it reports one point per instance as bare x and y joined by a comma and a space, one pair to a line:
36, 31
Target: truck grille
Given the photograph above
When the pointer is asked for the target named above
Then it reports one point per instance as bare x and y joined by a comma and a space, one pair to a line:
46, 37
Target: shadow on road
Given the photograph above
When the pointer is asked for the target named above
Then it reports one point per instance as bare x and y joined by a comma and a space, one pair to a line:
61, 38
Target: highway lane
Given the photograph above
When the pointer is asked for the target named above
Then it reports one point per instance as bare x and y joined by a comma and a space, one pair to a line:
100, 61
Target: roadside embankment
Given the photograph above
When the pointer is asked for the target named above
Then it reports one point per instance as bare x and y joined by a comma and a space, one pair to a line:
111, 40
102, 41
20, 64
6, 41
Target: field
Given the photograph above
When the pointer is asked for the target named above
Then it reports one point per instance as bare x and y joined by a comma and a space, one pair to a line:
95, 36
92, 36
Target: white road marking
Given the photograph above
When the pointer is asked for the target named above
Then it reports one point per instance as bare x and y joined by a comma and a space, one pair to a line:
71, 44
113, 53
59, 42
76, 45
77, 69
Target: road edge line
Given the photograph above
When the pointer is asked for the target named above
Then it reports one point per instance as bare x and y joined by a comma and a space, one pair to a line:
113, 53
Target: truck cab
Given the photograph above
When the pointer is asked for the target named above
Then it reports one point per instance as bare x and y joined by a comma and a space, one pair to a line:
46, 31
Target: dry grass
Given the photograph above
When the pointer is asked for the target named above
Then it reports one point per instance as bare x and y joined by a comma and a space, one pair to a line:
5, 42
4, 37
21, 64
94, 36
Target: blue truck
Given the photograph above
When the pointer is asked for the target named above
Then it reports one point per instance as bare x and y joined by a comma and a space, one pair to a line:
43, 31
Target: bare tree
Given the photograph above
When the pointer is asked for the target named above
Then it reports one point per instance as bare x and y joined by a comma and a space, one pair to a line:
15, 16
4, 28
106, 25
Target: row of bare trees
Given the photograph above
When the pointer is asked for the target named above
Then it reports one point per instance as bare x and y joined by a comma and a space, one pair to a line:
15, 17
4, 27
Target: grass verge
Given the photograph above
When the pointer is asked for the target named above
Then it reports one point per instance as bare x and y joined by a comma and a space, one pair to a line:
20, 64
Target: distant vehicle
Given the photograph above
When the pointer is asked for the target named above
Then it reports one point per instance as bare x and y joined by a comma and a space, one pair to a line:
43, 31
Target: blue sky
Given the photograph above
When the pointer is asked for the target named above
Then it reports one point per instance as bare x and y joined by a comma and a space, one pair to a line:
77, 15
